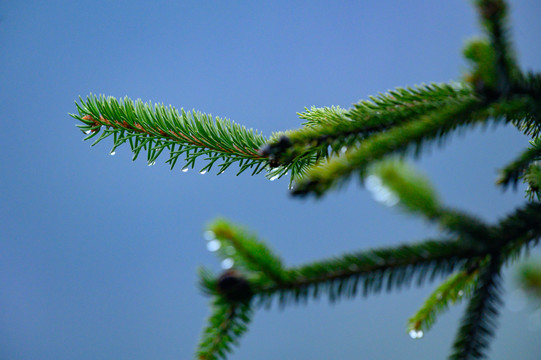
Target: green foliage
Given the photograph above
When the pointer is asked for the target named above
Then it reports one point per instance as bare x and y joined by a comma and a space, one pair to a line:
246, 251
530, 277
518, 168
154, 129
227, 323
337, 144
450, 292
414, 190
479, 321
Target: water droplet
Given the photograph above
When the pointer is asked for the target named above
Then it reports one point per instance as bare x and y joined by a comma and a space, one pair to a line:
203, 172
227, 263
185, 170
372, 183
391, 200
209, 235
343, 149
88, 132
113, 153
385, 196
460, 293
274, 177
213, 245
414, 334
152, 163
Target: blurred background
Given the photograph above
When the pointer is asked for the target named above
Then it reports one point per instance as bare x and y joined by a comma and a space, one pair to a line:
98, 254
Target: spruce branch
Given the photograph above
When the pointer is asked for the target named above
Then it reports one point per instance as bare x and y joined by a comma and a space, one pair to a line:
229, 320
399, 139
157, 128
518, 231
246, 251
493, 15
533, 178
516, 170
367, 272
479, 321
337, 129
410, 136
450, 292
335, 144
414, 192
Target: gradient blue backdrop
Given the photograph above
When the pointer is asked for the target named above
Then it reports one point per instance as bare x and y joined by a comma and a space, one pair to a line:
98, 254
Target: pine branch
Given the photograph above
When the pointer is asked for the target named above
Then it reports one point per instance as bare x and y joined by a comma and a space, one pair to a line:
479, 321
533, 178
394, 179
413, 135
226, 324
450, 292
519, 230
494, 19
517, 169
157, 128
335, 144
399, 139
340, 129
371, 271
247, 253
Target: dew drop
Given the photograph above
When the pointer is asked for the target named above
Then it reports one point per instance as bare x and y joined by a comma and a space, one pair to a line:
414, 334
185, 170
372, 183
227, 263
113, 153
152, 163
460, 293
385, 196
391, 200
209, 235
274, 177
213, 245
203, 172
343, 149
88, 132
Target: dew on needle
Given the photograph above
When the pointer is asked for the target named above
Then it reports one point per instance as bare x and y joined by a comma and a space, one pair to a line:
213, 245
227, 263
209, 235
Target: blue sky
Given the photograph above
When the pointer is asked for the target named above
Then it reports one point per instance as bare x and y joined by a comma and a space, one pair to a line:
99, 254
